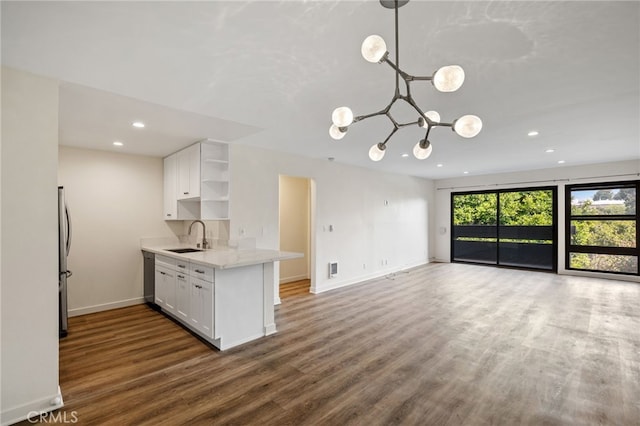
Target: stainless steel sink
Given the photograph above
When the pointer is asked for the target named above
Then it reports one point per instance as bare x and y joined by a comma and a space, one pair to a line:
183, 250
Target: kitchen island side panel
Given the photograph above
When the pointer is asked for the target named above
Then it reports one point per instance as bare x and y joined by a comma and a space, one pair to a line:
239, 305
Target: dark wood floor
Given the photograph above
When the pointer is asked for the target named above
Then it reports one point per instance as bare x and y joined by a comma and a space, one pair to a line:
443, 344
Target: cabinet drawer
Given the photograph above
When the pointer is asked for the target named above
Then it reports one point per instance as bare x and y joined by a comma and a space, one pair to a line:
182, 266
165, 261
201, 271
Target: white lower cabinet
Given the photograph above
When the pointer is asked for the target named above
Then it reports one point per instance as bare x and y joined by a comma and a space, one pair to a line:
185, 291
201, 314
226, 307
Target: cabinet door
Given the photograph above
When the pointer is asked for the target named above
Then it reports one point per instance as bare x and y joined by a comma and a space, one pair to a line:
188, 164
159, 290
182, 296
206, 292
170, 183
165, 291
201, 314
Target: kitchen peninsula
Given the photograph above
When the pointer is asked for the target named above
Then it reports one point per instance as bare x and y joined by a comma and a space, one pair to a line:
224, 295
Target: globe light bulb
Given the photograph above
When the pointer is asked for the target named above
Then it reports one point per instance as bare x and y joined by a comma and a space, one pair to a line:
449, 78
342, 116
421, 153
373, 48
467, 126
375, 153
431, 115
336, 133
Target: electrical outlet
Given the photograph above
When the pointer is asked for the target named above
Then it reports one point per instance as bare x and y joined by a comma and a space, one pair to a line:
364, 266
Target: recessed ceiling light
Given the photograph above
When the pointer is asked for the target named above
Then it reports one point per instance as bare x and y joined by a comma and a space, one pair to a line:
561, 161
465, 172
117, 143
138, 124
533, 133
438, 165
405, 155
550, 150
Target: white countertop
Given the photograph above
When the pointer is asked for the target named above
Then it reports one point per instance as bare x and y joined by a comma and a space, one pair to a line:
222, 257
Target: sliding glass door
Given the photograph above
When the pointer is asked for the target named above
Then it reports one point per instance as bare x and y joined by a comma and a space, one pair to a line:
515, 228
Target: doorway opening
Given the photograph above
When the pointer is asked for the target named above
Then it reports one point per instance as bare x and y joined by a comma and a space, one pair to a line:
297, 206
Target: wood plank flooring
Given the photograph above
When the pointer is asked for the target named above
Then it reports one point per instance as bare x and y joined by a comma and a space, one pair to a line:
443, 344
295, 288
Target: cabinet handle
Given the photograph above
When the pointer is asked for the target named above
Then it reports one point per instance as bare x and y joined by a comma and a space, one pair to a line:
163, 273
185, 193
169, 214
180, 276
199, 271
182, 266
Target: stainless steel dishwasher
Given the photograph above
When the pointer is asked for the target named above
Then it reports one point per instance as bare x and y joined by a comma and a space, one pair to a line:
150, 279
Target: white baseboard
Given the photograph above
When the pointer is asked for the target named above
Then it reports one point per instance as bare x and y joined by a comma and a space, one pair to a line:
269, 329
293, 279
105, 307
277, 301
332, 285
32, 411
224, 346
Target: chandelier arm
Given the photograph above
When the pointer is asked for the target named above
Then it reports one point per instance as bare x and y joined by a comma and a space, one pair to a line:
362, 117
418, 78
413, 123
397, 51
395, 129
415, 106
436, 124
407, 83
403, 74
426, 136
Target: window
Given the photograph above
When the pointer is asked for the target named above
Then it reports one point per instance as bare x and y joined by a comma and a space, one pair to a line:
514, 228
602, 227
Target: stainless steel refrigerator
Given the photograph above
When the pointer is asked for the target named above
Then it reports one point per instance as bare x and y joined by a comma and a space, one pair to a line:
64, 244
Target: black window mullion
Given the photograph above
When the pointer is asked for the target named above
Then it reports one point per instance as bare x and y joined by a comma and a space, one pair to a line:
498, 227
604, 217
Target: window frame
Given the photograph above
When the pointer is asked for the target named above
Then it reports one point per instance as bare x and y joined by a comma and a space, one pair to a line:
620, 251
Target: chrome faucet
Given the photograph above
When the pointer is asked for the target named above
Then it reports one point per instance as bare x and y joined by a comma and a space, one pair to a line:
204, 233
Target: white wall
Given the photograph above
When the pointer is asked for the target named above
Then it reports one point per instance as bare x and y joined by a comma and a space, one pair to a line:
29, 291
366, 231
560, 176
294, 226
114, 200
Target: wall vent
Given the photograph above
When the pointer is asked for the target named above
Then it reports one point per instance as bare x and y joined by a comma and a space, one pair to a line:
333, 269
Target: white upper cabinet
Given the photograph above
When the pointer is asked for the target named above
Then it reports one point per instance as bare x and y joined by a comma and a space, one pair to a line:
189, 172
196, 182
170, 188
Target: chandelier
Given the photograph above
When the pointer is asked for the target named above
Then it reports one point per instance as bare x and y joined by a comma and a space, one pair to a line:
446, 79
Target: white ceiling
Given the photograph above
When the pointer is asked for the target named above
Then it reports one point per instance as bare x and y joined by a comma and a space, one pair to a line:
269, 74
